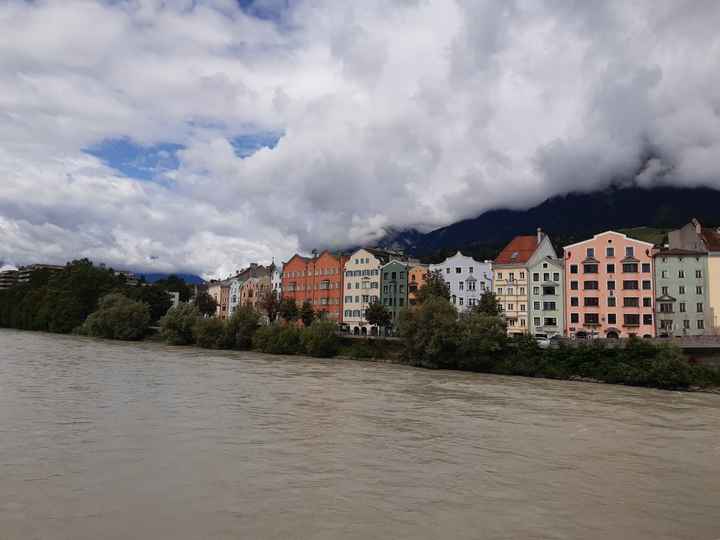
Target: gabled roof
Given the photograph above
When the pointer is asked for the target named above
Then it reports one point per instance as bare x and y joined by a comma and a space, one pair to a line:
711, 237
596, 236
518, 251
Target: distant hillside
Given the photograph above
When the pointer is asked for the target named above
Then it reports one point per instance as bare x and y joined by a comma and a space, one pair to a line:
190, 279
647, 213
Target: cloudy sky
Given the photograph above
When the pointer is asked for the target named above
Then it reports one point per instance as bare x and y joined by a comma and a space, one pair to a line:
200, 135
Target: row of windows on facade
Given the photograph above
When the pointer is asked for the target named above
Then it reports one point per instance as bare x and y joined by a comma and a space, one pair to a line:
364, 285
322, 286
461, 301
511, 275
458, 270
627, 285
549, 321
668, 325
629, 319
681, 274
394, 289
355, 313
510, 291
359, 273
511, 307
310, 273
365, 298
546, 276
627, 268
667, 307
628, 301
324, 301
469, 285
609, 252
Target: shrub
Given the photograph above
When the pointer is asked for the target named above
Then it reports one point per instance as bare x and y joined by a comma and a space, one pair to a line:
241, 328
430, 334
176, 326
118, 317
320, 339
278, 339
482, 341
209, 333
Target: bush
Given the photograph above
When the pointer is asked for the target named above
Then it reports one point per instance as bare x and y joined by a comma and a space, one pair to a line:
241, 328
320, 339
278, 339
176, 327
118, 317
209, 333
430, 334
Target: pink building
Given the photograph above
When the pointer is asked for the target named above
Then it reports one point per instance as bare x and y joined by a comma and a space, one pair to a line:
609, 287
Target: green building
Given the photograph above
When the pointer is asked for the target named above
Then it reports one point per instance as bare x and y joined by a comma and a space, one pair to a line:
547, 297
394, 289
681, 285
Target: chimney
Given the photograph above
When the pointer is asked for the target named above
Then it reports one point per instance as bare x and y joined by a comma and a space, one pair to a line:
539, 235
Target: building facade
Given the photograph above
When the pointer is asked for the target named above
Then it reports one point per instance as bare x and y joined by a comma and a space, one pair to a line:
510, 277
253, 290
681, 287
547, 297
417, 275
467, 278
276, 280
362, 286
319, 280
394, 289
609, 289
8, 278
695, 237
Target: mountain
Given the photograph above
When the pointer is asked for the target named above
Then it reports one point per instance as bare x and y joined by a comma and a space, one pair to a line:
190, 279
567, 218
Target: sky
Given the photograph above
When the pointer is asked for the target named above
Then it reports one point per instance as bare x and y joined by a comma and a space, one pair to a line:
202, 135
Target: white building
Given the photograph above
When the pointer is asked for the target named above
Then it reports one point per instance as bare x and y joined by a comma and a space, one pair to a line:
276, 279
468, 279
234, 296
362, 286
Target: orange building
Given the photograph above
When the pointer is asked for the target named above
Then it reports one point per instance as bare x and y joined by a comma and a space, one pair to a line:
416, 279
316, 279
253, 291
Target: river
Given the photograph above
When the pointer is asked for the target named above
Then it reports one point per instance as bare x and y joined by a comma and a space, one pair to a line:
108, 440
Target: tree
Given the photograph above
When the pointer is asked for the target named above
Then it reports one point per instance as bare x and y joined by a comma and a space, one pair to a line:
118, 317
155, 297
205, 304
270, 303
430, 334
288, 310
241, 327
174, 283
434, 286
307, 313
209, 333
482, 340
488, 305
320, 339
176, 327
377, 315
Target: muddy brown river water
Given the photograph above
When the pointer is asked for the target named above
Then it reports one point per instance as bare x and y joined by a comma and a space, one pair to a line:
105, 440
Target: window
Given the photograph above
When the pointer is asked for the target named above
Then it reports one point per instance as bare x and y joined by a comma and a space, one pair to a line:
612, 301
631, 319
573, 285
698, 274
631, 301
574, 301
536, 306
549, 306
499, 275
556, 276
458, 270
573, 268
447, 270
512, 276
591, 318
682, 307
631, 285
681, 274
630, 268
550, 321
348, 299
666, 307
610, 252
681, 289
699, 307
522, 307
549, 290
611, 285
629, 251
461, 285
590, 285
471, 285
591, 302
647, 319
590, 252
536, 321
499, 290
510, 290
645, 267
522, 322
574, 318
590, 268
610, 268
536, 290
522, 275
522, 290
686, 324
536, 276
646, 285
698, 290
612, 318
511, 307
647, 302
701, 324
664, 290
470, 269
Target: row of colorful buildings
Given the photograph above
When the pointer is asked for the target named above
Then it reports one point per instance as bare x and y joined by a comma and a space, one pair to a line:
609, 285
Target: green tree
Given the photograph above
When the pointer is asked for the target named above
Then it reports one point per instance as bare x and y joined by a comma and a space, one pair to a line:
174, 283
320, 339
376, 314
482, 340
288, 310
307, 313
176, 326
155, 297
209, 333
205, 304
118, 317
488, 305
241, 327
434, 286
430, 334
270, 303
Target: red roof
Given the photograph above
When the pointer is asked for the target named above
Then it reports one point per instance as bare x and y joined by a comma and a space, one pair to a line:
711, 237
518, 251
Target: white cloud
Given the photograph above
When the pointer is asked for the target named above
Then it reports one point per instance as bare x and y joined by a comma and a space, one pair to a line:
394, 113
